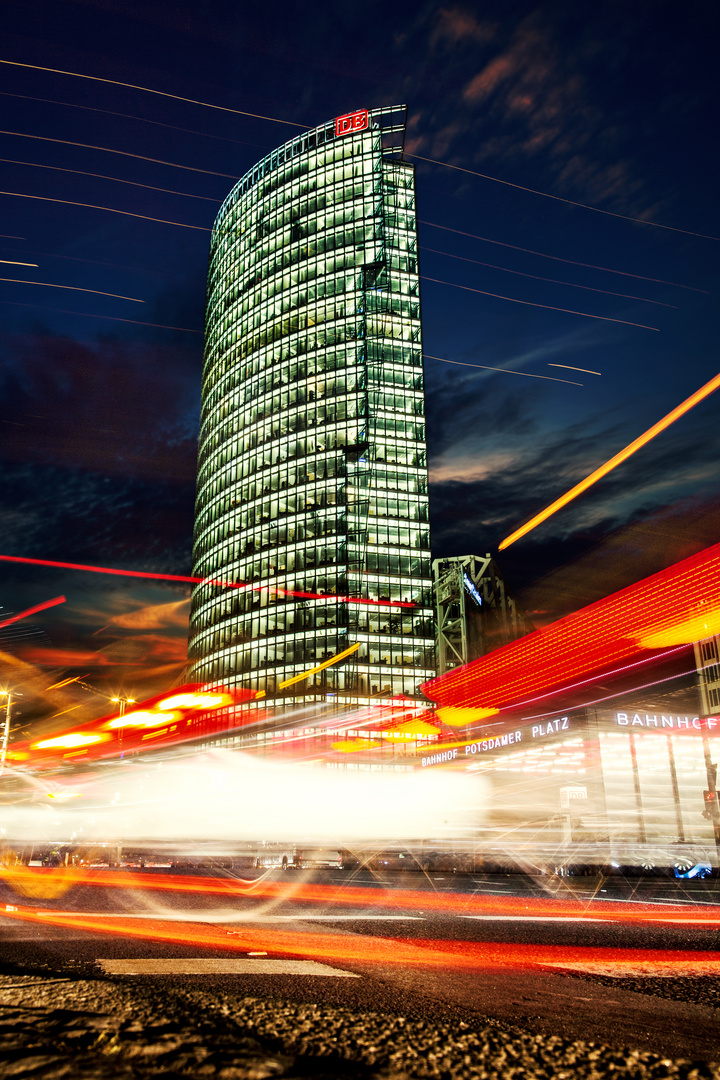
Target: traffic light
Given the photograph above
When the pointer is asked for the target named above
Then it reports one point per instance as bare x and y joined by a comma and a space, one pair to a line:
710, 800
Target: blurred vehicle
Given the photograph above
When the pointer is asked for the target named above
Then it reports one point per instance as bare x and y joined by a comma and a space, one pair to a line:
319, 857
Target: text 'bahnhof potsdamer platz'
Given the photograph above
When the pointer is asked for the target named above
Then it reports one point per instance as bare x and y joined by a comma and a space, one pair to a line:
312, 474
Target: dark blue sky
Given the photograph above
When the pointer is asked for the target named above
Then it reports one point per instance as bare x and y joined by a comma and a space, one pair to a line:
613, 106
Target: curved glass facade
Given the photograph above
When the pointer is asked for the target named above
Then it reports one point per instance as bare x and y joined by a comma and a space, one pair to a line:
312, 465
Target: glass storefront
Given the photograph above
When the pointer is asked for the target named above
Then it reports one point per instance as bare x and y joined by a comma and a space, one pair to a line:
622, 777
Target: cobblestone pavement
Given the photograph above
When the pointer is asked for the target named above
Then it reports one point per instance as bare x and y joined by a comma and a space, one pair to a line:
57, 1025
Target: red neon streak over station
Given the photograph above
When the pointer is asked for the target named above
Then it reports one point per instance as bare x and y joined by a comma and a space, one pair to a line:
676, 606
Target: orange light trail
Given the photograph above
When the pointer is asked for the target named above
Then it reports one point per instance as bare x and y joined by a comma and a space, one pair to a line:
64, 682
110, 209
358, 896
505, 371
540, 277
33, 610
158, 93
14, 262
112, 318
346, 948
559, 198
121, 153
186, 578
101, 176
320, 667
558, 258
71, 288
530, 303
618, 459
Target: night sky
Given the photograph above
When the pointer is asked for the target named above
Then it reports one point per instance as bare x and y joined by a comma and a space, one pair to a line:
610, 105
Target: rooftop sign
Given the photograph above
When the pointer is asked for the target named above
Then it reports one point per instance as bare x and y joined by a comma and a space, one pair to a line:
351, 122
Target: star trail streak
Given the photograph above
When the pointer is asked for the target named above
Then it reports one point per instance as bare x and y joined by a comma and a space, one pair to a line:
505, 371
553, 281
121, 153
101, 176
530, 303
559, 258
110, 210
72, 288
559, 198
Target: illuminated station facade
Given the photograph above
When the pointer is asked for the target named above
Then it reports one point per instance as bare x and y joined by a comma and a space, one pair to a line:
312, 473
601, 728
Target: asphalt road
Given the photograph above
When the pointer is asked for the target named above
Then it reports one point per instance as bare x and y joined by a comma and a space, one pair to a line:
477, 965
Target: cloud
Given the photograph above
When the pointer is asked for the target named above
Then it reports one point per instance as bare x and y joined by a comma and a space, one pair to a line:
502, 458
455, 25
156, 616
512, 94
484, 83
64, 658
644, 546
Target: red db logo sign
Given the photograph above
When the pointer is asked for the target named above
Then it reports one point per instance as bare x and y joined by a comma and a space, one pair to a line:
354, 121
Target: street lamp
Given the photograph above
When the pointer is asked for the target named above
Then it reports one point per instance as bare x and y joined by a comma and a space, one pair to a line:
8, 694
122, 701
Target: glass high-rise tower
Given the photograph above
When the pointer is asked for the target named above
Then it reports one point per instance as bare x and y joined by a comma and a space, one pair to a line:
312, 473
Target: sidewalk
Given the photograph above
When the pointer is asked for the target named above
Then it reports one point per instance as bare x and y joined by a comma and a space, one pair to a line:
57, 1025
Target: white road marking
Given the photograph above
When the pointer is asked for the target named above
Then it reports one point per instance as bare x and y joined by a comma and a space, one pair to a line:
534, 918
348, 918
222, 966
663, 969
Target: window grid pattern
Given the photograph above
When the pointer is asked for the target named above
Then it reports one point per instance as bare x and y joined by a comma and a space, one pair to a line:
312, 471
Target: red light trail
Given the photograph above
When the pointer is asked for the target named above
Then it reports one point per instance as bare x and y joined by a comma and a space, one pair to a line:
189, 580
32, 610
358, 896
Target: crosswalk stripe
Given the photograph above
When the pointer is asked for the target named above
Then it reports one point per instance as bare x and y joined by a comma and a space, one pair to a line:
221, 966
630, 969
